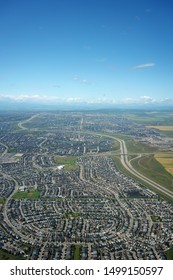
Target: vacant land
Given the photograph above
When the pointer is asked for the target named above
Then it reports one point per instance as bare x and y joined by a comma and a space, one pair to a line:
2, 200
150, 118
136, 147
166, 160
162, 127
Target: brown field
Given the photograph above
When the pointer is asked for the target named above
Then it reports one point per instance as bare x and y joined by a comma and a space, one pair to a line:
161, 127
166, 160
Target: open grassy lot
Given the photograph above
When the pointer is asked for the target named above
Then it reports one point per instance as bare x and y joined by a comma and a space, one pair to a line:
68, 162
76, 255
71, 215
2, 200
151, 118
136, 147
30, 194
169, 254
166, 160
162, 127
164, 130
115, 146
167, 133
156, 218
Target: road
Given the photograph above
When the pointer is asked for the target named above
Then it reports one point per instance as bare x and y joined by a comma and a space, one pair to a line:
6, 219
127, 165
5, 151
21, 124
5, 211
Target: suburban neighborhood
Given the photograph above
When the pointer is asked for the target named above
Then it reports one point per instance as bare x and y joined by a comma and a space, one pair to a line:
63, 196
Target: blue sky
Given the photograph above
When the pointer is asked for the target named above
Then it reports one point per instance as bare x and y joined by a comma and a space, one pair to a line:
93, 51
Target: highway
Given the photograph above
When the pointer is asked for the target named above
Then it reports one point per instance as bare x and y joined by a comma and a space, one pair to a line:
127, 165
21, 123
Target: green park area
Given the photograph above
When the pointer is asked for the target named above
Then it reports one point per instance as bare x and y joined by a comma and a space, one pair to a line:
69, 162
2, 200
71, 215
29, 194
169, 254
76, 255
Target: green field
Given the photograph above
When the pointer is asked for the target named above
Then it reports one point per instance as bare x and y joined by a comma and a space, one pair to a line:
76, 255
166, 133
68, 162
136, 147
30, 194
151, 168
71, 215
115, 146
120, 167
12, 150
150, 117
156, 218
169, 254
2, 200
162, 127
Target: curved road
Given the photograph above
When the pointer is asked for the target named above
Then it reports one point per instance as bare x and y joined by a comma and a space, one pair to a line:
125, 162
21, 123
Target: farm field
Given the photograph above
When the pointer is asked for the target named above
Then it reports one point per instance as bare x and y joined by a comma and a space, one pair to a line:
166, 160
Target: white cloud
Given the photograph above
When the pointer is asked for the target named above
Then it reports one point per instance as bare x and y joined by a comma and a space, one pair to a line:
52, 99
27, 97
147, 99
145, 65
167, 100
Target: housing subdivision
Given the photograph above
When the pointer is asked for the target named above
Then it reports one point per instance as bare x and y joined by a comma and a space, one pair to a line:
62, 196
